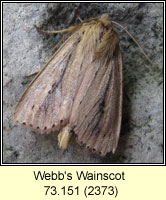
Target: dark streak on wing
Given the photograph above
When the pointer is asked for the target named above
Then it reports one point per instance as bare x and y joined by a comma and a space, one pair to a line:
47, 100
55, 85
102, 103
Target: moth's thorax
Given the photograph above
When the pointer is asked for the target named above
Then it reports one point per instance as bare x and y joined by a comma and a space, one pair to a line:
98, 37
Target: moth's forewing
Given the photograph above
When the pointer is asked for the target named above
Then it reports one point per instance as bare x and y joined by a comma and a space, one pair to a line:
97, 110
47, 102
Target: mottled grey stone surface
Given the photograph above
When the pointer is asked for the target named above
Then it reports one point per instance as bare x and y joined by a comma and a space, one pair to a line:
25, 51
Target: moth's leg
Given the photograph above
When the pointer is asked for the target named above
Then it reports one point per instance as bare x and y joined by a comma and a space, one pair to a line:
79, 18
77, 15
45, 32
30, 75
63, 31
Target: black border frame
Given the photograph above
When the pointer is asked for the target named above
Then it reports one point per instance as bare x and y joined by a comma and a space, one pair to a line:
78, 164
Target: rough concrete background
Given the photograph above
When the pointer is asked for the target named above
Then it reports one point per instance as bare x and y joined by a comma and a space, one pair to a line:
25, 51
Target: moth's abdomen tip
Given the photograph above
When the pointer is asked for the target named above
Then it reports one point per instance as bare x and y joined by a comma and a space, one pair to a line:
114, 149
64, 137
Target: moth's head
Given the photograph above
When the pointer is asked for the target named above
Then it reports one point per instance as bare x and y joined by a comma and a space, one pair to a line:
105, 20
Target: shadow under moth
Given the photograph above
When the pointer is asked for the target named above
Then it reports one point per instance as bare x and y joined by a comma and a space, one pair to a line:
79, 90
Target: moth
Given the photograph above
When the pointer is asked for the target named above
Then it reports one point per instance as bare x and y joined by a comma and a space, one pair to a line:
79, 90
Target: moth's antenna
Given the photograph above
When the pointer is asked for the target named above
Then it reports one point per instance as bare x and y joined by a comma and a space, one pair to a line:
133, 40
